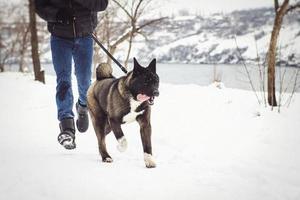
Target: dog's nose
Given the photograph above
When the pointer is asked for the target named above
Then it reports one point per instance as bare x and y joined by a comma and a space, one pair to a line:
156, 93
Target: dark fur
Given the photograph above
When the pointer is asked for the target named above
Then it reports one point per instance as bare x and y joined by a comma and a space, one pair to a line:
109, 101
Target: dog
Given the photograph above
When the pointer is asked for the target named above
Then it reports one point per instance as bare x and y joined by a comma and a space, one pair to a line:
116, 101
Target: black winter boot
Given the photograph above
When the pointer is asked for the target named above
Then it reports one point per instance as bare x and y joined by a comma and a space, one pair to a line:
67, 133
82, 122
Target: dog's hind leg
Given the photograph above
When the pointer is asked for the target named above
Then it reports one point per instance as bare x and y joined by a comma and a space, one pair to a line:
145, 130
101, 127
101, 134
117, 130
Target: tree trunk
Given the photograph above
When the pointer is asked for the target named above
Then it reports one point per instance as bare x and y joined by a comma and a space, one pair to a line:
1, 67
271, 59
38, 73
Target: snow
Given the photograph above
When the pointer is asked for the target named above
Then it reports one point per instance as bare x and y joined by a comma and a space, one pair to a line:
198, 38
184, 18
208, 143
210, 43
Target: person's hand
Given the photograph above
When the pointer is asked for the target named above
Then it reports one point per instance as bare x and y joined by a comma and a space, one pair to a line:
65, 15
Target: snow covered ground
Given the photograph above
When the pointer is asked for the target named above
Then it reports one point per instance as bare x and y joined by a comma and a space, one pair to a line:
209, 143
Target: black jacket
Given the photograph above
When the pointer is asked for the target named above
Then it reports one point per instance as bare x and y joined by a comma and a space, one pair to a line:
85, 20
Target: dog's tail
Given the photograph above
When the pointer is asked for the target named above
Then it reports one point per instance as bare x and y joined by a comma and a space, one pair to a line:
103, 71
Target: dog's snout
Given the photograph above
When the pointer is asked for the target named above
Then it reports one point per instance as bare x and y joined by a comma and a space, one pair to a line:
156, 93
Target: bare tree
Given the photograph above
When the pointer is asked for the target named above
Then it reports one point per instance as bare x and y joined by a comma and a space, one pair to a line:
247, 71
38, 73
23, 39
108, 30
261, 70
294, 88
134, 24
1, 47
217, 76
280, 12
8, 40
8, 48
15, 36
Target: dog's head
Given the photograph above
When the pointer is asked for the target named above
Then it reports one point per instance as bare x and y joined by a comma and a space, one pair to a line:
144, 82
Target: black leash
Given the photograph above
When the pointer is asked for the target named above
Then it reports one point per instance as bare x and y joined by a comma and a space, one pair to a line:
107, 52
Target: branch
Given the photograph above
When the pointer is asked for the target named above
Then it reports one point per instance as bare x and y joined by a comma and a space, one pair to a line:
142, 9
143, 35
121, 39
151, 22
137, 8
245, 66
293, 7
128, 34
123, 8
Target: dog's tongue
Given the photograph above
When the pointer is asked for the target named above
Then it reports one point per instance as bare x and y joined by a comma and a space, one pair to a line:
142, 97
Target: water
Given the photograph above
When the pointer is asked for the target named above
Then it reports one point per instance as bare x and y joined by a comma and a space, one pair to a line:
233, 76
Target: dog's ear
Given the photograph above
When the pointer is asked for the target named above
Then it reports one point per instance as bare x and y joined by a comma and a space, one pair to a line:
137, 68
152, 66
135, 62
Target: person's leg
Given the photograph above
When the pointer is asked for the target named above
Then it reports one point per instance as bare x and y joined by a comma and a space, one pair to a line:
83, 55
61, 50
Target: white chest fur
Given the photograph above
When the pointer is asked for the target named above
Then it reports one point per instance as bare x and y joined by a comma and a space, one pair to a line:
131, 116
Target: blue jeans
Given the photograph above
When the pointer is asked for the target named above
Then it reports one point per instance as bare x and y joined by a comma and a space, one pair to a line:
63, 50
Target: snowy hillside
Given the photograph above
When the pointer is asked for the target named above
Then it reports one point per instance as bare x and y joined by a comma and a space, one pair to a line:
210, 39
209, 143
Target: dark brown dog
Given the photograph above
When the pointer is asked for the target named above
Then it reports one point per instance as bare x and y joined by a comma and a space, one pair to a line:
113, 102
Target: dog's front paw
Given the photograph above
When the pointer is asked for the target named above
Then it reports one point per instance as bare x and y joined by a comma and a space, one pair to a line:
107, 160
149, 160
122, 146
